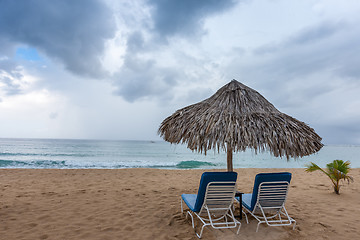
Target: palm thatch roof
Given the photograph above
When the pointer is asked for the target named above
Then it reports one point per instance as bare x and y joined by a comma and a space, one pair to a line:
237, 117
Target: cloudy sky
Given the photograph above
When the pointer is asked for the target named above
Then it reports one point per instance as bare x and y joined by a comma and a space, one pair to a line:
108, 69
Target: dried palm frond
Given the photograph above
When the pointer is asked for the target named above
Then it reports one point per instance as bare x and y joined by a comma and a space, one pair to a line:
237, 117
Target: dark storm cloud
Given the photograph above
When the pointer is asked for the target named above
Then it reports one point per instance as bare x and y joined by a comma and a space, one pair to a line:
142, 77
306, 36
304, 74
135, 42
185, 17
6, 47
72, 32
327, 48
316, 33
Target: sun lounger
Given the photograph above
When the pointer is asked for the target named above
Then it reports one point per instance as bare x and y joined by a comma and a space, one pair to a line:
213, 203
267, 201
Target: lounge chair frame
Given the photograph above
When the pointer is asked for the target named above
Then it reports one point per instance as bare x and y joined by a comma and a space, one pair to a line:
271, 198
216, 210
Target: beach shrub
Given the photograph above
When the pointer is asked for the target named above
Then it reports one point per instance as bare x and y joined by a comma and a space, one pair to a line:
336, 171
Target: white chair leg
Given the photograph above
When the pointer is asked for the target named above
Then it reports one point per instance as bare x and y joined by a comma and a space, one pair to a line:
257, 228
192, 218
238, 228
200, 235
247, 220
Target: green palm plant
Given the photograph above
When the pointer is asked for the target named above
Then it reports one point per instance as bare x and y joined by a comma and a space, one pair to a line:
336, 170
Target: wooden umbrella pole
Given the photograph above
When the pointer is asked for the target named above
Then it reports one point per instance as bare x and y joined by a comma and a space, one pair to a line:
229, 159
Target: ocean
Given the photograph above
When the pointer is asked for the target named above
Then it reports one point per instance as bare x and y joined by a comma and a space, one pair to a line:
101, 154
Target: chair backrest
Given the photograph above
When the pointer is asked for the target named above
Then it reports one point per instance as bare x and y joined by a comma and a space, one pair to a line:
219, 197
272, 194
208, 177
272, 180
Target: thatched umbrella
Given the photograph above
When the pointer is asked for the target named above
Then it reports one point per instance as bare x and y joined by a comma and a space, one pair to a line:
235, 118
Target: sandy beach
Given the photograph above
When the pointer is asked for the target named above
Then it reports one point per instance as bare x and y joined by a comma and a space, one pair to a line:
145, 204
